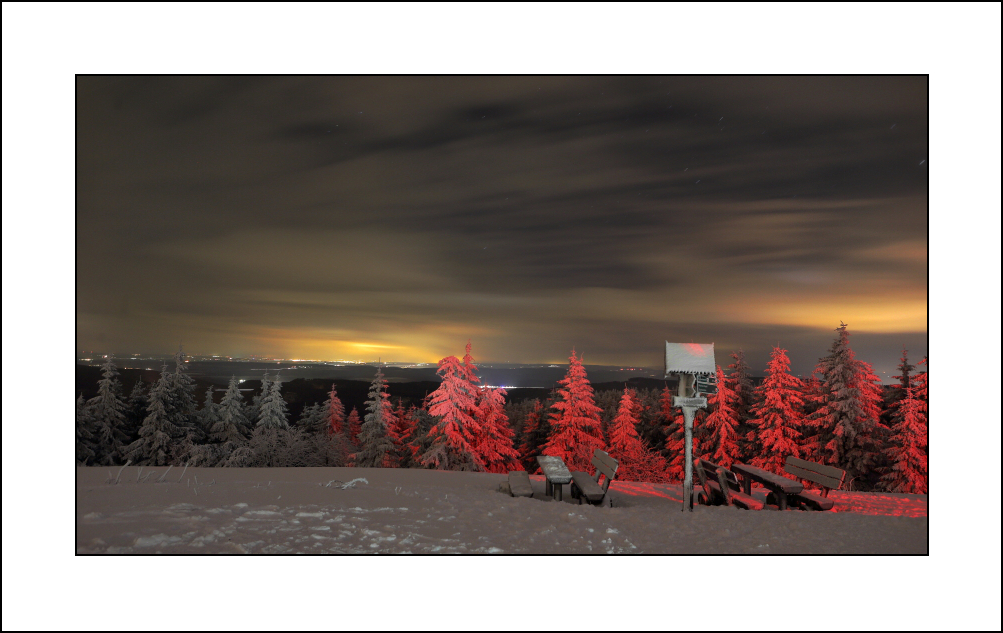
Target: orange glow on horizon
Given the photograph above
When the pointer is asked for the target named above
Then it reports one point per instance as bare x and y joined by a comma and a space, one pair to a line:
862, 316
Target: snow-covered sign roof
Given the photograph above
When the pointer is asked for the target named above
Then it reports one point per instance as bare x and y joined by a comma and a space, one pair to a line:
689, 358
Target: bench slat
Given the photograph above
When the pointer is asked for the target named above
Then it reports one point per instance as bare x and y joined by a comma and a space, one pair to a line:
710, 470
518, 481
816, 501
588, 486
814, 476
740, 499
745, 501
605, 464
821, 469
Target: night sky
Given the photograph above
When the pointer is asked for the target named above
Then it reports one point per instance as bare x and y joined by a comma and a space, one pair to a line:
398, 217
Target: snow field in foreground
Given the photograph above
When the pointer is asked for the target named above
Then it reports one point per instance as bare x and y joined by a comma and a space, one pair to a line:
399, 511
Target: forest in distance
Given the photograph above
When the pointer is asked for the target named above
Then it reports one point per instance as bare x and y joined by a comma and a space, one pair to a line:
841, 415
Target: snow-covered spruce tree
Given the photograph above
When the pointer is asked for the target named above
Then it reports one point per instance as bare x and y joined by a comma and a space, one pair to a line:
469, 369
154, 446
839, 432
209, 414
354, 427
401, 433
637, 462
667, 418
135, 410
895, 394
84, 433
274, 413
908, 444
721, 441
326, 449
456, 428
231, 425
492, 441
493, 444
608, 402
375, 446
866, 453
335, 412
649, 421
182, 398
738, 380
108, 412
577, 427
255, 409
421, 438
777, 415
921, 393
313, 418
624, 443
270, 446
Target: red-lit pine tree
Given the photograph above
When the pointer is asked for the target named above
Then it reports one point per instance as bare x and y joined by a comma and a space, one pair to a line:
400, 433
897, 392
470, 369
721, 442
335, 412
577, 425
739, 381
667, 418
908, 444
493, 444
636, 461
865, 454
453, 434
354, 426
777, 415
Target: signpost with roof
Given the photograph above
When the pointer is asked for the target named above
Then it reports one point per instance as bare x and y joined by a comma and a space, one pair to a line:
692, 365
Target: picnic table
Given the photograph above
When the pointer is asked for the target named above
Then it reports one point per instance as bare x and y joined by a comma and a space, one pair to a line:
557, 474
779, 486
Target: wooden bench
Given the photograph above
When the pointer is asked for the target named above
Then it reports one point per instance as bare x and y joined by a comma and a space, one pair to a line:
556, 474
780, 487
586, 486
721, 487
826, 477
518, 484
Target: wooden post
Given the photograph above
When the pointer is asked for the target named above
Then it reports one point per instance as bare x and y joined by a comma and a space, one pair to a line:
689, 405
684, 390
688, 480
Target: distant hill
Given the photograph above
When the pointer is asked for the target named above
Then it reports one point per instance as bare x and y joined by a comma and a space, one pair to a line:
300, 392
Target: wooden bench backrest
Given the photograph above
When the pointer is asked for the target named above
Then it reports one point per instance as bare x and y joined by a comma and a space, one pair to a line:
829, 477
709, 470
604, 465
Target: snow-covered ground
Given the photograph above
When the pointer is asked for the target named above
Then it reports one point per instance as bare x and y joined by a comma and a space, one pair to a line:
397, 511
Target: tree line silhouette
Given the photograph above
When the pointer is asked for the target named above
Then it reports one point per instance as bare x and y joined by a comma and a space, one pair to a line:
841, 416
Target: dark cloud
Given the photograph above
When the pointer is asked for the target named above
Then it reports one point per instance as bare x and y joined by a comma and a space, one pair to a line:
529, 213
